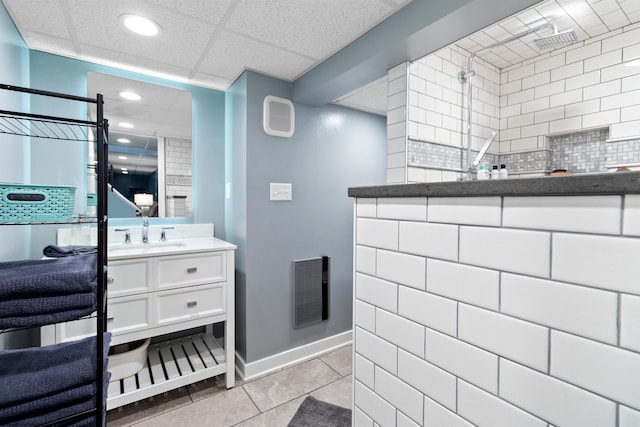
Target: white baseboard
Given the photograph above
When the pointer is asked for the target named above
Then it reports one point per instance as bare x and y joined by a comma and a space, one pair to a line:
249, 371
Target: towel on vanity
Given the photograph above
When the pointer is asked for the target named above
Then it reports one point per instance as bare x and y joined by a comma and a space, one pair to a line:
54, 251
58, 276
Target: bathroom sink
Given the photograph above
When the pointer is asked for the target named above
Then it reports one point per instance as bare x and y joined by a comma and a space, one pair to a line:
139, 245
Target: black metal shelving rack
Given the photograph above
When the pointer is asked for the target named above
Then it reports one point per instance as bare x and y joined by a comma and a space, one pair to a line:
73, 129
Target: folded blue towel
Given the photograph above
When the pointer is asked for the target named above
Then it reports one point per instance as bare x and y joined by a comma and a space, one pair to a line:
45, 304
40, 319
63, 409
54, 251
39, 371
47, 403
48, 276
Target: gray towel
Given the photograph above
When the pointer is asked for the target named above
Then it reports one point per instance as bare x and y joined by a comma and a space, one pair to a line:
60, 276
54, 251
39, 371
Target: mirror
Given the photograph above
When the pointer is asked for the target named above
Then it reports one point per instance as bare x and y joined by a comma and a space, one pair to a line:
152, 154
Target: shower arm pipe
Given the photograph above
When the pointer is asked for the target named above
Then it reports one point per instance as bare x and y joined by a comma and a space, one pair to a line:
466, 76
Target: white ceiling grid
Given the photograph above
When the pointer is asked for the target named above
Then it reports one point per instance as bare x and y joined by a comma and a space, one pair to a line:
203, 42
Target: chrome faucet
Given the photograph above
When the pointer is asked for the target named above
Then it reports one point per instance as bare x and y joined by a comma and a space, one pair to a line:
163, 234
145, 230
127, 235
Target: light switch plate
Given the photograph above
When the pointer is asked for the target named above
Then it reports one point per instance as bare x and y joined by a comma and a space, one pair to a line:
279, 192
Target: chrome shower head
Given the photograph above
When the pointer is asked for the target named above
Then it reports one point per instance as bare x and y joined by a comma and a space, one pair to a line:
556, 40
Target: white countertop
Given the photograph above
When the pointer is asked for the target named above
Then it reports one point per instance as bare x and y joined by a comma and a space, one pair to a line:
117, 251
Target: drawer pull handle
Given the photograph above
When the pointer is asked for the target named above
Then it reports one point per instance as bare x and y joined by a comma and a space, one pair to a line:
110, 279
110, 317
191, 304
192, 269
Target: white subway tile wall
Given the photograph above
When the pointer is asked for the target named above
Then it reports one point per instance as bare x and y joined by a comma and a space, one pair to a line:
581, 87
178, 171
397, 93
530, 321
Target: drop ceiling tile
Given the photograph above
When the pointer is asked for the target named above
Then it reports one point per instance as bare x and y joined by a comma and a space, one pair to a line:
205, 10
241, 52
42, 16
172, 45
314, 30
49, 43
134, 63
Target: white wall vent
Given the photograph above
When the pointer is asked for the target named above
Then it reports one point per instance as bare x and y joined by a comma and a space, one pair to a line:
278, 118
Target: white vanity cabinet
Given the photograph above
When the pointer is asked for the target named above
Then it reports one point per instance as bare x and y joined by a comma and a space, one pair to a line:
158, 290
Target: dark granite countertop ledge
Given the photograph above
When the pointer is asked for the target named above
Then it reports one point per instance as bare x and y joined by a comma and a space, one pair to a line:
565, 185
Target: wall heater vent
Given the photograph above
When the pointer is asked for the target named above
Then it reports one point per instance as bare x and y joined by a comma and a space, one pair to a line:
310, 291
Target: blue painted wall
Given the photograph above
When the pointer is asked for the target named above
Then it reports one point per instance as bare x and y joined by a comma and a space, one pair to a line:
333, 148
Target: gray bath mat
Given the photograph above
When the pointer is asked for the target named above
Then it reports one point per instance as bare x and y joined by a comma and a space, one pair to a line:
316, 413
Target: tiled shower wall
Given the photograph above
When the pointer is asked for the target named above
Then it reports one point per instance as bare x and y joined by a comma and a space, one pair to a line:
580, 152
437, 99
581, 87
178, 174
497, 311
586, 85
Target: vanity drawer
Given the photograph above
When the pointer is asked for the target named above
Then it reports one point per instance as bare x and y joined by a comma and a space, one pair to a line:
188, 270
127, 277
124, 315
128, 314
188, 304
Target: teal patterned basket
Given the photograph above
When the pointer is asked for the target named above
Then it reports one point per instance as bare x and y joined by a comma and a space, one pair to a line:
36, 203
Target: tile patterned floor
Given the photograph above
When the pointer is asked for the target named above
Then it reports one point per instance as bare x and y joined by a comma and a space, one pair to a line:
268, 401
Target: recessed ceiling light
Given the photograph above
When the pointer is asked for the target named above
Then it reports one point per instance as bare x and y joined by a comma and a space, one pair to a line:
123, 157
124, 169
125, 172
123, 140
131, 96
140, 25
125, 125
